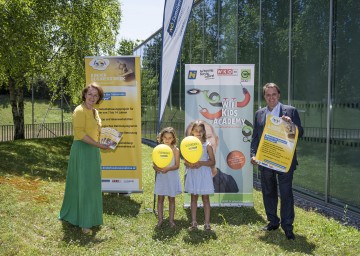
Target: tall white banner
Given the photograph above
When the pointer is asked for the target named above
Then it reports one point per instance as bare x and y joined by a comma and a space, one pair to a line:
222, 95
176, 17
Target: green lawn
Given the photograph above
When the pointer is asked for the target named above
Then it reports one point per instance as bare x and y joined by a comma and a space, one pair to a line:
32, 175
42, 110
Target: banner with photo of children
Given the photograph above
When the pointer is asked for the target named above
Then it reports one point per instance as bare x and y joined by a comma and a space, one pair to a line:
222, 95
120, 113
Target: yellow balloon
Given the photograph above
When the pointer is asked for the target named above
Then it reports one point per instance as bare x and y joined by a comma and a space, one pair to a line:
162, 155
191, 149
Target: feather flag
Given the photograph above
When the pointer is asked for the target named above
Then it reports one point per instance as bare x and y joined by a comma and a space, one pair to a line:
176, 17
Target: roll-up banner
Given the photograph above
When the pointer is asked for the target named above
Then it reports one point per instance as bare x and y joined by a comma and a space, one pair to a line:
222, 95
119, 76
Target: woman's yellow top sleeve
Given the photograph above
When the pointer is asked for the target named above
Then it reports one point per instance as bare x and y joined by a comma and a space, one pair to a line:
86, 122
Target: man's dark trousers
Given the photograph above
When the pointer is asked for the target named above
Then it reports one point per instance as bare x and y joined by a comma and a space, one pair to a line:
270, 197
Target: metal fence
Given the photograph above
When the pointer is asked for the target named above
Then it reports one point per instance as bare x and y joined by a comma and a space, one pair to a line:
148, 129
46, 130
337, 133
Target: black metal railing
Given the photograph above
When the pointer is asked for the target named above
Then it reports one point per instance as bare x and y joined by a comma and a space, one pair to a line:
335, 133
149, 129
46, 130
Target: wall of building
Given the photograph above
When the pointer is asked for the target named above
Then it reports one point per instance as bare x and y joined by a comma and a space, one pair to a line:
311, 50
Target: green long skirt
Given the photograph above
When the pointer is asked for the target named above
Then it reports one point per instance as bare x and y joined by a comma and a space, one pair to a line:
82, 205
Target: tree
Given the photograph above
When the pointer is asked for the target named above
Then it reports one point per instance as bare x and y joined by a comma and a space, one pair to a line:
49, 39
126, 47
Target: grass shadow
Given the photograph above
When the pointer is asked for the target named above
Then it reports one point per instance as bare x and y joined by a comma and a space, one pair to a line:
199, 236
41, 158
115, 204
222, 216
166, 231
235, 216
299, 245
73, 234
228, 215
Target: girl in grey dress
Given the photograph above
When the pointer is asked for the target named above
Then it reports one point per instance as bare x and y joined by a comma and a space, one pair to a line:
199, 177
167, 181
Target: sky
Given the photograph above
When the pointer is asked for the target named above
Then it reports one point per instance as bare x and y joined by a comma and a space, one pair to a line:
140, 18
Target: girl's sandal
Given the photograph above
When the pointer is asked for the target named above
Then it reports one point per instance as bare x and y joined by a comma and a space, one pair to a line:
207, 227
172, 224
193, 225
160, 222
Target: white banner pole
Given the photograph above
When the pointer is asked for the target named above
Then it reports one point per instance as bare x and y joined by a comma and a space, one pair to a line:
176, 17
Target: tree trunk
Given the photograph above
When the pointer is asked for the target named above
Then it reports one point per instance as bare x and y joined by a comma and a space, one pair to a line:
17, 107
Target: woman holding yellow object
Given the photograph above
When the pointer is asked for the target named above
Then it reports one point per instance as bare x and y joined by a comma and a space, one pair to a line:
82, 205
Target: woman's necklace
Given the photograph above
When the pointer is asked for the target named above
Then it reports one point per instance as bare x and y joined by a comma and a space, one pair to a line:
86, 106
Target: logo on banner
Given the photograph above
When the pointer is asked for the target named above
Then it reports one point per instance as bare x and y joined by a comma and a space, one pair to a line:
245, 75
174, 17
99, 63
207, 74
227, 72
275, 120
192, 74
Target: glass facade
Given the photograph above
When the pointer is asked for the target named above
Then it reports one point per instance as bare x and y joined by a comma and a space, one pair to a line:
310, 49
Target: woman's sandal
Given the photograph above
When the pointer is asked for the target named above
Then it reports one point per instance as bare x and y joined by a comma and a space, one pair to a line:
207, 227
86, 231
193, 225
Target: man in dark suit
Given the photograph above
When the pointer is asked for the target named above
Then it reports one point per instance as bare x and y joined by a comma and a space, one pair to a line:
270, 179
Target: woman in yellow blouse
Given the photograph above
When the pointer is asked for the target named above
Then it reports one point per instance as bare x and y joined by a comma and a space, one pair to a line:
82, 205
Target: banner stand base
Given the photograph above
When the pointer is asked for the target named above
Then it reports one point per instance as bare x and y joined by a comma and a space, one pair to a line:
149, 210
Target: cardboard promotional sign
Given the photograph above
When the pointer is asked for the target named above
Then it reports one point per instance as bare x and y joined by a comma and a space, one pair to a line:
277, 144
119, 76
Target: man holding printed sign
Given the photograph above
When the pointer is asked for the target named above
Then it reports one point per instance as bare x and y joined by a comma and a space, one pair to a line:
276, 129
